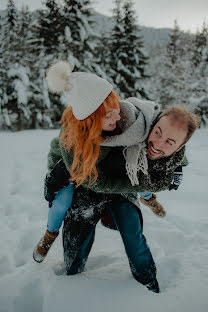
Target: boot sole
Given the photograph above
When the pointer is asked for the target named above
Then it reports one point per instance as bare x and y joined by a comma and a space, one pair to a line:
36, 259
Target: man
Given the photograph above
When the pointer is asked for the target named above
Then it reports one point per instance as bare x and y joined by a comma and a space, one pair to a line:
167, 137
148, 163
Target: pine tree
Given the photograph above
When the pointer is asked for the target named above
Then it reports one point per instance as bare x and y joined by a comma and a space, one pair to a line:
173, 47
48, 108
127, 56
33, 61
200, 44
76, 22
135, 59
50, 29
9, 107
9, 32
114, 43
20, 71
65, 32
24, 97
18, 60
19, 83
37, 62
174, 76
199, 95
2, 74
102, 56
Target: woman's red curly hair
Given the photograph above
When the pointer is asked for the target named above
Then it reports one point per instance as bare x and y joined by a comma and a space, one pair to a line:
83, 138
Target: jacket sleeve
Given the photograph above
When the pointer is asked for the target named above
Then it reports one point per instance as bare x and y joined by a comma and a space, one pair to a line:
55, 180
112, 185
58, 176
54, 154
118, 185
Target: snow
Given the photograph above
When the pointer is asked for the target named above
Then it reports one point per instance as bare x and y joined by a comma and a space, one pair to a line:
178, 241
68, 34
82, 32
20, 82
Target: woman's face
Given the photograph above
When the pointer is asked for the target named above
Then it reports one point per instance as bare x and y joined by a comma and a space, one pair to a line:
110, 119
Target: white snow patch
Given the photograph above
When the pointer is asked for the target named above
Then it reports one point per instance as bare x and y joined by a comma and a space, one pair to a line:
178, 242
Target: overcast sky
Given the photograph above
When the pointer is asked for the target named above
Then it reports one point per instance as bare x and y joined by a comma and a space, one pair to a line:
190, 14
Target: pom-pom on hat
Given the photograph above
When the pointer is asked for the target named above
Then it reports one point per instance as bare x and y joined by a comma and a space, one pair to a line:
84, 91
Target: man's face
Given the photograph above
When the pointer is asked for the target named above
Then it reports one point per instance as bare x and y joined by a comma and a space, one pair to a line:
166, 138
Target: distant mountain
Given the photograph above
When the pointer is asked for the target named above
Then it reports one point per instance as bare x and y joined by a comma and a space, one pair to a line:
153, 37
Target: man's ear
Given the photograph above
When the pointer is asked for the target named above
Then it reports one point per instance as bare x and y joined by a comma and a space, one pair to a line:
180, 147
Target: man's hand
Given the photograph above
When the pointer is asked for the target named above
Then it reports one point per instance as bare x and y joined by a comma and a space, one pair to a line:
177, 178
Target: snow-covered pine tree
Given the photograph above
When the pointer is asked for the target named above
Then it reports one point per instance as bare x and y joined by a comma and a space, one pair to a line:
173, 47
128, 59
9, 105
1, 75
135, 59
166, 75
20, 73
101, 64
50, 27
14, 72
114, 43
174, 74
156, 52
200, 43
199, 94
77, 40
9, 31
33, 59
19, 84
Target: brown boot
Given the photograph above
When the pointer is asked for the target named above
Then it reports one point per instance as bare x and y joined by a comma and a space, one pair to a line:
153, 204
45, 243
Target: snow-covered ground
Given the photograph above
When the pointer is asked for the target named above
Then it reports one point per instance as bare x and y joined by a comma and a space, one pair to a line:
179, 242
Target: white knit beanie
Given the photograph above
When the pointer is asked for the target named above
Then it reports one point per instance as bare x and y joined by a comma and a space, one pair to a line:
85, 91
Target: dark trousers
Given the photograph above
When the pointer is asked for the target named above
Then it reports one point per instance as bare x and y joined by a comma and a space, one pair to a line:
126, 218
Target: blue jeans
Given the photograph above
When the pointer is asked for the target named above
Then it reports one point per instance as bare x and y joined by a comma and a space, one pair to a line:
127, 220
145, 195
60, 205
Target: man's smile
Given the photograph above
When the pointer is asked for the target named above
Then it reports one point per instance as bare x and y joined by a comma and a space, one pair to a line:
153, 151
